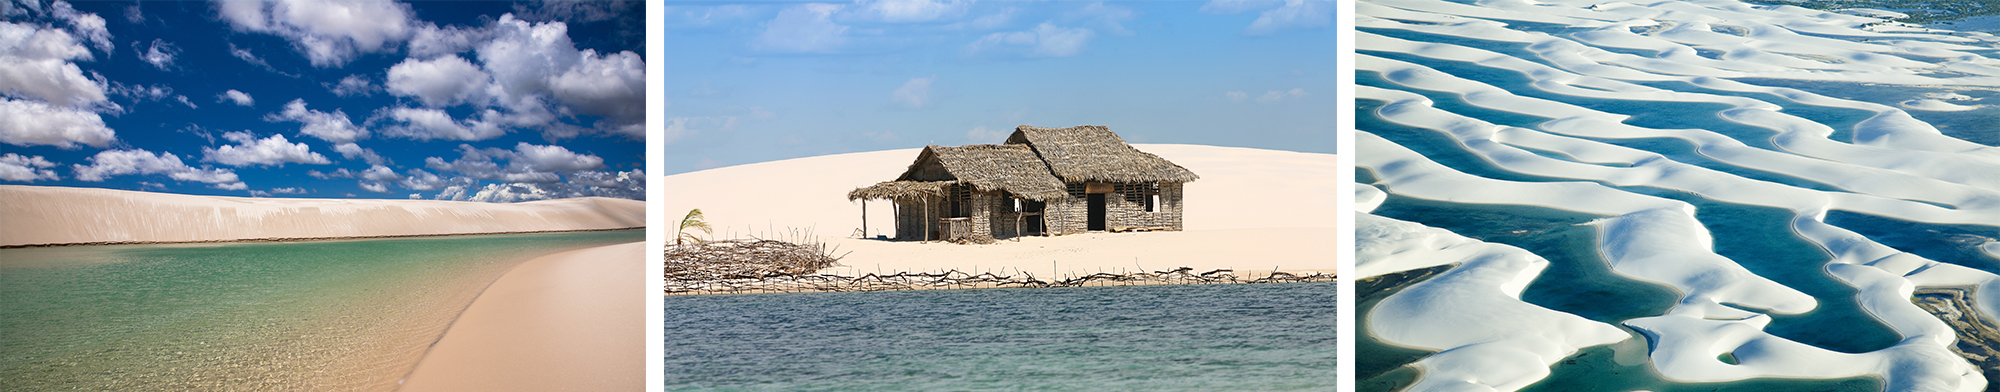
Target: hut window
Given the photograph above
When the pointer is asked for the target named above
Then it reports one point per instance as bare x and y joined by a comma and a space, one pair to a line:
1076, 190
961, 200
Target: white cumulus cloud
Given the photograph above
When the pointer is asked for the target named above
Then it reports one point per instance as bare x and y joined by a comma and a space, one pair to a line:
328, 33
351, 150
37, 64
250, 150
611, 86
526, 163
555, 158
353, 85
238, 97
432, 41
15, 167
441, 82
333, 127
86, 25
110, 163
30, 123
434, 124
161, 54
629, 184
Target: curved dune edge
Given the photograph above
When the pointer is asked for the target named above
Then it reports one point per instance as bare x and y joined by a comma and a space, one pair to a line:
567, 321
60, 216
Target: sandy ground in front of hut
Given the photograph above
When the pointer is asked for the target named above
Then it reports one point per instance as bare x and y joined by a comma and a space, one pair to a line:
567, 321
1253, 211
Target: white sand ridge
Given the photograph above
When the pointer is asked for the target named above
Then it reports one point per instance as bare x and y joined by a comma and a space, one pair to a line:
34, 215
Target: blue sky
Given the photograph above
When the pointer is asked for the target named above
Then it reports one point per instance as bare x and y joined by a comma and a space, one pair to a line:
488, 101
763, 81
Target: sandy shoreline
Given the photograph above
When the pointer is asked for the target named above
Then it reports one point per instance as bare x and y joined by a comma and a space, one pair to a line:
1252, 212
566, 321
42, 215
304, 239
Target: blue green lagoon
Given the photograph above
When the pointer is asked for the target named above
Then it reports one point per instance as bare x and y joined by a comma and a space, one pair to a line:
317, 315
1235, 337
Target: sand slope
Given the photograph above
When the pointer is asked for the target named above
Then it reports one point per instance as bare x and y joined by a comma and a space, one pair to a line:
567, 321
1252, 209
59, 215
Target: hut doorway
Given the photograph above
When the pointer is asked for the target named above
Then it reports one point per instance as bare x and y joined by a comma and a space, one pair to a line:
1096, 212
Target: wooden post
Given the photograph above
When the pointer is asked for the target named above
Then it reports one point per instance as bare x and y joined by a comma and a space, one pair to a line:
927, 219
864, 218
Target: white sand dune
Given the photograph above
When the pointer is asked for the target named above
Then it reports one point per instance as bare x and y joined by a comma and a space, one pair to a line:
1252, 210
1709, 52
570, 321
59, 215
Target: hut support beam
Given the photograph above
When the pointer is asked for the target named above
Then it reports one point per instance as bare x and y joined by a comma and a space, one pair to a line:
864, 218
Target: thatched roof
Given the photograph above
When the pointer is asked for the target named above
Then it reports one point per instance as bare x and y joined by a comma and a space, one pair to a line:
1094, 153
1012, 168
893, 190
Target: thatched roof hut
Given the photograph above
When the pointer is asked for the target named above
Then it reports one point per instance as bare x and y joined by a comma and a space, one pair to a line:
1042, 181
1094, 153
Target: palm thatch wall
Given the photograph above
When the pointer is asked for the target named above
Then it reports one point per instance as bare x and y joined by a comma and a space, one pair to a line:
1093, 153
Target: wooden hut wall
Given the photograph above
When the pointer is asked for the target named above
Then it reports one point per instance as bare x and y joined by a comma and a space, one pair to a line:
1127, 207
1069, 215
983, 212
909, 220
1006, 222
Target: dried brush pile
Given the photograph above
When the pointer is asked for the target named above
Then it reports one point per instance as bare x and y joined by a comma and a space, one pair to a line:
744, 259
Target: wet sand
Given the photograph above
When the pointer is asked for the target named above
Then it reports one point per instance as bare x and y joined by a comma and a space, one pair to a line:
567, 321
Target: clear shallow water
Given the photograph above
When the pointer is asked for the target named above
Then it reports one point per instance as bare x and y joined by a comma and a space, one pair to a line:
1239, 337
323, 315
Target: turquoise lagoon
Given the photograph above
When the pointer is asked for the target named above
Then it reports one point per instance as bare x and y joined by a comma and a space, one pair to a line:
319, 315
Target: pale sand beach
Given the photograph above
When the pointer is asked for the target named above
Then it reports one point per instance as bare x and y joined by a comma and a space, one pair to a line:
567, 321
1253, 210
38, 215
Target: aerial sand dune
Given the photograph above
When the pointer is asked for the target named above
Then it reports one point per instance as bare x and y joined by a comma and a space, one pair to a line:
1252, 210
567, 321
35, 215
1588, 91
